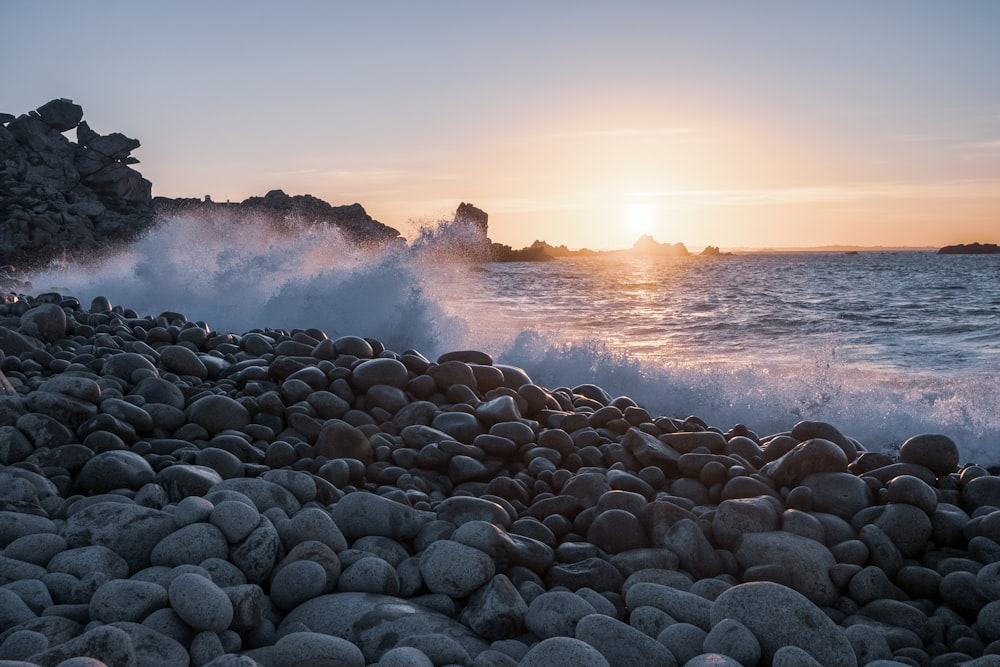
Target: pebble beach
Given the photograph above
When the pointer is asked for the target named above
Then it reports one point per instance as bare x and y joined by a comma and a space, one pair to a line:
174, 495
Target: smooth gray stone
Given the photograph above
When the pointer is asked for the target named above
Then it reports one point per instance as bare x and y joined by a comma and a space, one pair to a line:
556, 613
684, 640
236, 520
265, 495
441, 649
22, 643
257, 555
685, 607
455, 569
563, 652
126, 600
297, 582
151, 648
807, 562
387, 621
181, 481
622, 645
81, 561
405, 656
217, 413
496, 611
113, 646
311, 523
369, 574
779, 616
13, 610
731, 638
131, 531
358, 514
200, 603
190, 545
14, 525
938, 453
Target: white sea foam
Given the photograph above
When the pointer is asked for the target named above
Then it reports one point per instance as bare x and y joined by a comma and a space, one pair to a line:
558, 324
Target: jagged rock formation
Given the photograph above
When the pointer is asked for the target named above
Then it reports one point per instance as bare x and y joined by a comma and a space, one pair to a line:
970, 249
647, 245
290, 214
60, 198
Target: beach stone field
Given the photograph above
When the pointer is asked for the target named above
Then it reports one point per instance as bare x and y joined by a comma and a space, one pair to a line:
171, 495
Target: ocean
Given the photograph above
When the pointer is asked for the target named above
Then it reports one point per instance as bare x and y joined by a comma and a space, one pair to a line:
884, 345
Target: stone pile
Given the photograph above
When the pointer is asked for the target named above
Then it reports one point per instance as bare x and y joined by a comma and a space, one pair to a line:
59, 197
174, 495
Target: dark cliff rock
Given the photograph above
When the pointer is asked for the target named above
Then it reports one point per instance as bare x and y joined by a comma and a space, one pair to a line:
63, 199
66, 201
290, 214
970, 249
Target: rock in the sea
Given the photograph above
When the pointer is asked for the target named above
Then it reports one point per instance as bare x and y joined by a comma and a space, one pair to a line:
934, 451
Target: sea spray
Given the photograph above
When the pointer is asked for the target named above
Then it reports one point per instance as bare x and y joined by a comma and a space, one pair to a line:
668, 335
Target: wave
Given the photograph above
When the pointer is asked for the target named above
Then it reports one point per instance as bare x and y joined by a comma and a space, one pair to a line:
238, 276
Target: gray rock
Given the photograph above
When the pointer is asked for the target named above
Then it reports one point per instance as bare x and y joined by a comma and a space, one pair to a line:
387, 621
369, 574
496, 611
15, 525
839, 493
593, 572
181, 481
807, 458
681, 605
312, 523
793, 656
507, 549
744, 515
119, 469
81, 561
190, 545
339, 440
714, 660
359, 514
938, 453
379, 371
217, 413
297, 582
46, 322
455, 569
126, 600
441, 649
13, 610
152, 648
127, 365
731, 638
563, 652
556, 613
779, 616
182, 361
406, 656
236, 520
806, 562
683, 639
21, 643
265, 495
622, 645
257, 555
200, 603
297, 649
112, 646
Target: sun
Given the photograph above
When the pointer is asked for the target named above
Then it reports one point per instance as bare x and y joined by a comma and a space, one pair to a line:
639, 218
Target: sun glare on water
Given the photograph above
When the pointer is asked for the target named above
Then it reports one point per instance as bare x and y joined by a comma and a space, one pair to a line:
640, 218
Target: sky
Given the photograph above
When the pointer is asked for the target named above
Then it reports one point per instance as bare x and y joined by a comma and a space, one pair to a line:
775, 123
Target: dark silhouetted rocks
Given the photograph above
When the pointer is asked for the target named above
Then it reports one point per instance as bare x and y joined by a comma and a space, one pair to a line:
290, 214
970, 249
62, 199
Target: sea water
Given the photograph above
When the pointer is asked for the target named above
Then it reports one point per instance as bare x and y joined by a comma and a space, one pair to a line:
883, 345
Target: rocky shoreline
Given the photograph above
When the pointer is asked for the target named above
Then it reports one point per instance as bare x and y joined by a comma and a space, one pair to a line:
175, 495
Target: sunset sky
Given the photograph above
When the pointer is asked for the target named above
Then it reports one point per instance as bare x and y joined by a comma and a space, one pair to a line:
739, 124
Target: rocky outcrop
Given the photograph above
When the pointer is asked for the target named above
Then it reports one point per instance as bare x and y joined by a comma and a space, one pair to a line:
291, 214
59, 198
647, 245
970, 249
